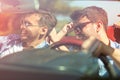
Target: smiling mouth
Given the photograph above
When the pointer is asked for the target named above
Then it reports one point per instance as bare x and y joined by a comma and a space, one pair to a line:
23, 37
23, 34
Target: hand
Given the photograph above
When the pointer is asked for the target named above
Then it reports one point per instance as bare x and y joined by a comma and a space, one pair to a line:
103, 49
68, 27
93, 45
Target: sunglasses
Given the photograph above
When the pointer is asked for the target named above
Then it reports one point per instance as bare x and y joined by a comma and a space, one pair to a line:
80, 26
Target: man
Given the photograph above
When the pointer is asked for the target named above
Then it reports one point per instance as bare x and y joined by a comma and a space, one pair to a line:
93, 21
35, 27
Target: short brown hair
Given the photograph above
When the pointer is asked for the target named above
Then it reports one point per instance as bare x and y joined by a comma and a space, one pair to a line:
93, 13
47, 19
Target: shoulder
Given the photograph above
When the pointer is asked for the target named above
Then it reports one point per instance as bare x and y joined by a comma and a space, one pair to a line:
10, 43
9, 39
13, 37
114, 44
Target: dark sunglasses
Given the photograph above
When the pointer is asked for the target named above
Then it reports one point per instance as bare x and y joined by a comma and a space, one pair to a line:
80, 26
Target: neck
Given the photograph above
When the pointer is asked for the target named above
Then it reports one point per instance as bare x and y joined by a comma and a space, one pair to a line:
103, 37
33, 44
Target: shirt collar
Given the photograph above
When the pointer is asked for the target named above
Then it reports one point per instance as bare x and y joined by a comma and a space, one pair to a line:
42, 45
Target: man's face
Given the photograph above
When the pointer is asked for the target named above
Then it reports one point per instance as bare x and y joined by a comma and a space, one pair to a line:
84, 28
30, 29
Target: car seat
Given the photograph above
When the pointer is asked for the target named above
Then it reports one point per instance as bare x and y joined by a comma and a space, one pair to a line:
113, 33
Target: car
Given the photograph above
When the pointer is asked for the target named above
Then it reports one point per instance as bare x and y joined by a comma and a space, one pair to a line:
49, 63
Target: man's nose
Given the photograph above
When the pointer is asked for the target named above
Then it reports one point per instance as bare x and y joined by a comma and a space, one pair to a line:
77, 31
23, 26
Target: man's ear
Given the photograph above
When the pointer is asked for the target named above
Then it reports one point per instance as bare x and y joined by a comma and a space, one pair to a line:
44, 30
99, 26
